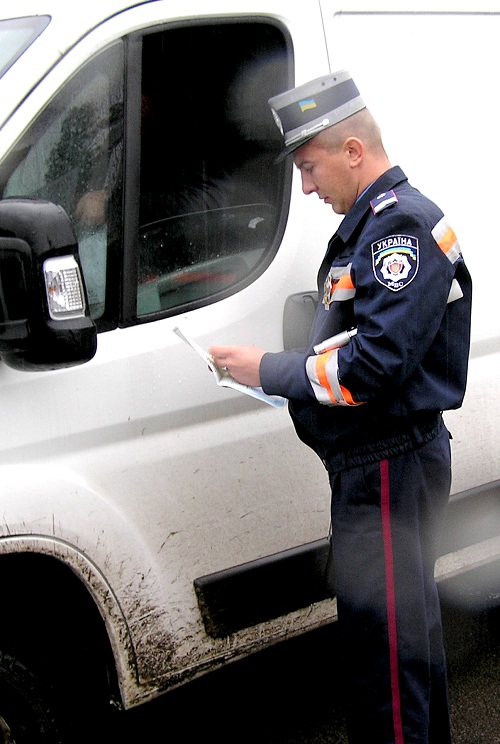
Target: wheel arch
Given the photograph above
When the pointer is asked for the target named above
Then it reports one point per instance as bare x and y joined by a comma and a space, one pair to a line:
54, 596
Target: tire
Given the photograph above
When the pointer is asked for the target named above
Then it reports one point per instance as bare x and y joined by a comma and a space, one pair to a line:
25, 717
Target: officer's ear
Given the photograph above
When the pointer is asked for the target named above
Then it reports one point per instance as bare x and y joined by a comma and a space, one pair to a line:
354, 149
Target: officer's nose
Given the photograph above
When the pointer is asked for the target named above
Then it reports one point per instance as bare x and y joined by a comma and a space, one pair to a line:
308, 186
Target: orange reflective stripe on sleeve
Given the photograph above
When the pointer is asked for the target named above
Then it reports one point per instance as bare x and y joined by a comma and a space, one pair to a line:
322, 371
348, 397
322, 375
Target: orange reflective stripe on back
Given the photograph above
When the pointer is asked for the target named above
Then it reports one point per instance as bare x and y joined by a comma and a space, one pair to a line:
345, 282
448, 240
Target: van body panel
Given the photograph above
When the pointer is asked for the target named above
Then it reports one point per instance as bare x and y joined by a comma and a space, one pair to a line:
428, 113
135, 468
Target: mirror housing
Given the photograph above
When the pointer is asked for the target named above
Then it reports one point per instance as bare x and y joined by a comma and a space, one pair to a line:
44, 316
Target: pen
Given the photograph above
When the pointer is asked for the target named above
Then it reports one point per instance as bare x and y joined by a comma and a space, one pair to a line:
335, 342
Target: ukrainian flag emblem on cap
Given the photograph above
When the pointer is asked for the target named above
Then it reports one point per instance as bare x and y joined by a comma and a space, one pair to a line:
306, 104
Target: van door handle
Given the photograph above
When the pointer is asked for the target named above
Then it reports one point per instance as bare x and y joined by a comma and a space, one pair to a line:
298, 315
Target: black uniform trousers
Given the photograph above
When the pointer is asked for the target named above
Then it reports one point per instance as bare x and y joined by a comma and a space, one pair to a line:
387, 517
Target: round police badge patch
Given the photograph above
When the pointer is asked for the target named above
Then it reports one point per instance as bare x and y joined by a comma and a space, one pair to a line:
395, 260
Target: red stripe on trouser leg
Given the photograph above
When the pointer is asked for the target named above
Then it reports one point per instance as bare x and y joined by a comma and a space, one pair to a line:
385, 493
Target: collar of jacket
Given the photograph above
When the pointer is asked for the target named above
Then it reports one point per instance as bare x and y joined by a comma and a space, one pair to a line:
387, 181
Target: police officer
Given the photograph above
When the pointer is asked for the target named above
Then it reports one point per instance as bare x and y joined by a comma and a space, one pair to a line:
387, 354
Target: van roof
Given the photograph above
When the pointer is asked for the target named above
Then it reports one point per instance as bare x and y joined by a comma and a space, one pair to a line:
88, 13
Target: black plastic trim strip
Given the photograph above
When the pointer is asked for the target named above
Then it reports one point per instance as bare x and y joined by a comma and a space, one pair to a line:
265, 589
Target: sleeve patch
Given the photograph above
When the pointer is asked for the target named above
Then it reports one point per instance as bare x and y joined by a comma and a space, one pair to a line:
395, 261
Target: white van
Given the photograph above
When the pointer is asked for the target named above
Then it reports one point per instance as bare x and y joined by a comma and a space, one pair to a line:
153, 525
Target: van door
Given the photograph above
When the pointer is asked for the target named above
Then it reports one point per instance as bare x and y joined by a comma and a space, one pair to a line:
161, 148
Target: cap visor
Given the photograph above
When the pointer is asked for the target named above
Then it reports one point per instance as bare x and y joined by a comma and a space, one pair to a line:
291, 148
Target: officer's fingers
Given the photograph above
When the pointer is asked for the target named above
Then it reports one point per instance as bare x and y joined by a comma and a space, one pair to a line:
221, 354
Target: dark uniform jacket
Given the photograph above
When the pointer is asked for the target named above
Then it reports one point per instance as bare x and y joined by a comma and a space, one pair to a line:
394, 272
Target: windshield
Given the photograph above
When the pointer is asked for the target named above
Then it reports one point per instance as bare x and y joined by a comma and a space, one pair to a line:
16, 34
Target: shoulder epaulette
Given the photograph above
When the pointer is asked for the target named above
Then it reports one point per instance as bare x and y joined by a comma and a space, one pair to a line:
382, 201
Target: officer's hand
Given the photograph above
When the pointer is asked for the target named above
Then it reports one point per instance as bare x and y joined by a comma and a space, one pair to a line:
242, 362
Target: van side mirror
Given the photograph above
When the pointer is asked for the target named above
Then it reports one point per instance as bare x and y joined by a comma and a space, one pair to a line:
44, 316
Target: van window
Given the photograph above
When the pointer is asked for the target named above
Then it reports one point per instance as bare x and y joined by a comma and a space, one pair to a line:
16, 35
72, 156
211, 193
193, 161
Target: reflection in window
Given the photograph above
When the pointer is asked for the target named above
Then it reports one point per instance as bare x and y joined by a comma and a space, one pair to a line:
211, 193
72, 155
16, 35
190, 256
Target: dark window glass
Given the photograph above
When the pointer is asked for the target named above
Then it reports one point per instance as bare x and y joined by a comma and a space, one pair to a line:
210, 192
